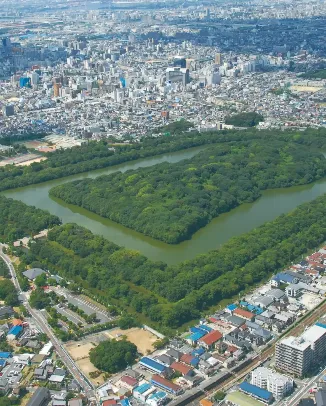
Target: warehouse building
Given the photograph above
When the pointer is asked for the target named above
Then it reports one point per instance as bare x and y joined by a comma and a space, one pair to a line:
166, 385
258, 393
152, 365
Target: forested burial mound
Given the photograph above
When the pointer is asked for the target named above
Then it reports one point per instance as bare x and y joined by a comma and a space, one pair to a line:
169, 296
18, 220
170, 202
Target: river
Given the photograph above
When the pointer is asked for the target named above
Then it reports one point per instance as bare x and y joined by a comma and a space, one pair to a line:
221, 229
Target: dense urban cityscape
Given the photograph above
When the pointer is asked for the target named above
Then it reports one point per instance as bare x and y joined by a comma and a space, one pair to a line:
163, 203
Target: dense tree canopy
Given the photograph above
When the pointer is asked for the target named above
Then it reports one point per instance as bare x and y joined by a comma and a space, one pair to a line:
250, 119
18, 220
39, 299
96, 155
172, 295
113, 356
4, 271
317, 74
171, 201
8, 292
169, 296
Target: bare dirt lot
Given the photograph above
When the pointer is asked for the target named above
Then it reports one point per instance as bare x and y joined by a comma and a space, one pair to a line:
308, 89
80, 352
141, 338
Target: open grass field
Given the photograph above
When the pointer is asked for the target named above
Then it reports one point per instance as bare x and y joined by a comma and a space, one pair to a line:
241, 399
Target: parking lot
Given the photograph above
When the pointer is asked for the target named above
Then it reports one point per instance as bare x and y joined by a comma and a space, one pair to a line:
87, 307
12, 372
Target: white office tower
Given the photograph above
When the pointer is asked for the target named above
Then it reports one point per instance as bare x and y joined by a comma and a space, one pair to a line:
34, 78
279, 385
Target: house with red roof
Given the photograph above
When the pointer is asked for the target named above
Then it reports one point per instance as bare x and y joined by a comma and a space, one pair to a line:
244, 314
182, 368
128, 382
211, 339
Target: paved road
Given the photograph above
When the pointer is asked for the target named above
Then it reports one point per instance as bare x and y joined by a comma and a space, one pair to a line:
305, 389
41, 322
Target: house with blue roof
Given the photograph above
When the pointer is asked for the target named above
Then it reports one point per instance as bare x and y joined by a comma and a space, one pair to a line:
193, 338
125, 402
143, 391
152, 365
157, 399
198, 330
283, 278
230, 308
5, 355
198, 352
256, 392
14, 332
205, 328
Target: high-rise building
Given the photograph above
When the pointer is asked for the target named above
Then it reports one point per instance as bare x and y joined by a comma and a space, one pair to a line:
8, 110
279, 385
177, 74
297, 355
180, 61
34, 78
56, 89
218, 58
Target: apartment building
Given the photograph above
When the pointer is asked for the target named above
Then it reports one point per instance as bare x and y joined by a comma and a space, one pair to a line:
297, 355
279, 385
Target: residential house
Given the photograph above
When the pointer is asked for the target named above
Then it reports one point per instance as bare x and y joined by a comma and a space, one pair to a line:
6, 312
32, 274
174, 354
182, 368
244, 314
210, 340
41, 374
128, 382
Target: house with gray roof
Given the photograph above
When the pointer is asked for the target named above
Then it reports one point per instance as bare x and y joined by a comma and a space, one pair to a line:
33, 273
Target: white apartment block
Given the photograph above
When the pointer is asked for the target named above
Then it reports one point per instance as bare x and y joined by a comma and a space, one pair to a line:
279, 385
297, 355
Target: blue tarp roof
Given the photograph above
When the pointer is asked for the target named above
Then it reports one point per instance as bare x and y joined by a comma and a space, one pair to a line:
255, 390
284, 277
2, 362
143, 388
152, 364
205, 328
317, 324
255, 309
198, 330
194, 361
15, 330
158, 395
125, 402
5, 355
243, 303
197, 336
198, 351
231, 307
